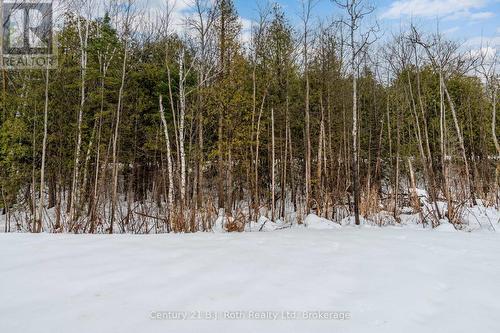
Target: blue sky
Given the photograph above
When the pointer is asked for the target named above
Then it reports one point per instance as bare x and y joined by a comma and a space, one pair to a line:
468, 21
475, 23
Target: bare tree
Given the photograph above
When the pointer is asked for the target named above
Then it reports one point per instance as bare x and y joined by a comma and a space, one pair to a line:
258, 38
488, 69
39, 226
85, 10
359, 40
307, 6
127, 26
105, 57
202, 25
273, 166
399, 53
447, 60
170, 193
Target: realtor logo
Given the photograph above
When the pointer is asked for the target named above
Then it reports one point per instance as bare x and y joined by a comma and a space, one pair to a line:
27, 36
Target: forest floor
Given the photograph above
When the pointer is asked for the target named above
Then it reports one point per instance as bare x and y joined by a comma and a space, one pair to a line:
349, 279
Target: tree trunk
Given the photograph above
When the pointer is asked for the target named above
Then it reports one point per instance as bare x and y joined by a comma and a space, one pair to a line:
273, 172
44, 150
469, 184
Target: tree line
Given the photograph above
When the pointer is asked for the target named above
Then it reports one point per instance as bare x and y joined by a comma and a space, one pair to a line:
148, 125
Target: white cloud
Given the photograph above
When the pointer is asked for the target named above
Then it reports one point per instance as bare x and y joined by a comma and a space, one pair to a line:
481, 41
467, 14
437, 8
246, 24
151, 9
481, 15
246, 30
451, 30
488, 52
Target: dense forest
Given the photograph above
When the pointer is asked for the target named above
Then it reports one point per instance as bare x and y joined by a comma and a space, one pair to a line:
151, 125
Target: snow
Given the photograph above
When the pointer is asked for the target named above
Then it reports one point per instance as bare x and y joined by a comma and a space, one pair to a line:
314, 222
391, 279
264, 224
445, 226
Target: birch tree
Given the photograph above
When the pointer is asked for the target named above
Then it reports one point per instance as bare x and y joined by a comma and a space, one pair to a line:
85, 10
126, 30
359, 39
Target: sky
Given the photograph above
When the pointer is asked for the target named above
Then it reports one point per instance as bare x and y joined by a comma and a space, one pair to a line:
470, 21
475, 23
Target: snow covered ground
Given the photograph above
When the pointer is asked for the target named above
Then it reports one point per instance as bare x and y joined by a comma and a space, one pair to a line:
377, 279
